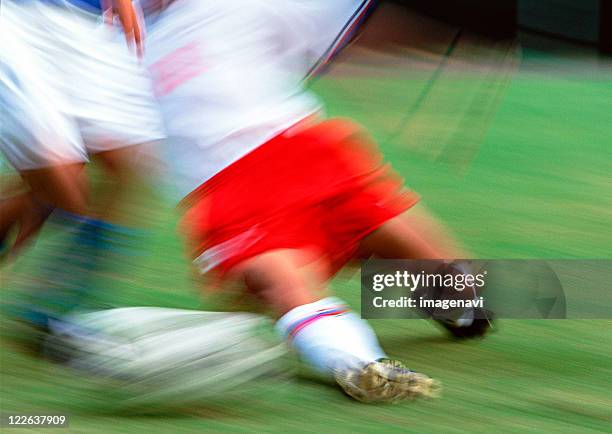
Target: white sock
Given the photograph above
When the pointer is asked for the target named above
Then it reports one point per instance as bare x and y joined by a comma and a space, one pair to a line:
328, 336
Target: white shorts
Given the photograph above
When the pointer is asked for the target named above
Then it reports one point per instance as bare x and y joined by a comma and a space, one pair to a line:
68, 87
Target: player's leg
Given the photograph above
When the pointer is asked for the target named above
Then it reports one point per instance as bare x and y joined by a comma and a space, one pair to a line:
378, 214
114, 112
282, 279
61, 186
291, 283
53, 52
38, 138
323, 331
127, 186
56, 181
12, 209
14, 197
415, 234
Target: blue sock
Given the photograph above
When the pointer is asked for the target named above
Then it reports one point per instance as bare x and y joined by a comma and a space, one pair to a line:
79, 273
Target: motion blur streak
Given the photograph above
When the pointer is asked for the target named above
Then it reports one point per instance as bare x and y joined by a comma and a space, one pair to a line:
507, 140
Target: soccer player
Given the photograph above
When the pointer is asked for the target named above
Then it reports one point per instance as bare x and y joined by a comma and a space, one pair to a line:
275, 197
70, 89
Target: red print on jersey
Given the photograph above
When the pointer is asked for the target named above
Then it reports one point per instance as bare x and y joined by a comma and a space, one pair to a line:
177, 68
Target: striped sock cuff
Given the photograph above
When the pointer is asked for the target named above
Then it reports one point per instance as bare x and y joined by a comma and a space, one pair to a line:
290, 324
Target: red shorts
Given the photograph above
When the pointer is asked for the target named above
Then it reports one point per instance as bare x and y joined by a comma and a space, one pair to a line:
323, 188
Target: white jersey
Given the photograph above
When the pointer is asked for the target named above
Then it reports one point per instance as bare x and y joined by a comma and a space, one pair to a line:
230, 74
68, 85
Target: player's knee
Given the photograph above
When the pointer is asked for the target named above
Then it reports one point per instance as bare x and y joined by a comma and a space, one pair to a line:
274, 278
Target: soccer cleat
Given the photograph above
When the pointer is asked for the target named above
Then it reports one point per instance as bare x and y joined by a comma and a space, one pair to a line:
461, 323
478, 327
386, 381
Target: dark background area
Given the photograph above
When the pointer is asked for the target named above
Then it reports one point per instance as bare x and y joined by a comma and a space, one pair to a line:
581, 21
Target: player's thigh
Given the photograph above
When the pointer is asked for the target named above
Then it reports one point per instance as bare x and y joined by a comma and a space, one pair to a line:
37, 130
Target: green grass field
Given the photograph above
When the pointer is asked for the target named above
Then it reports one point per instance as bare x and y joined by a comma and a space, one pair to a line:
538, 187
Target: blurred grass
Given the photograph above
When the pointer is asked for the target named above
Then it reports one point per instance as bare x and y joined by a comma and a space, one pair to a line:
539, 187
